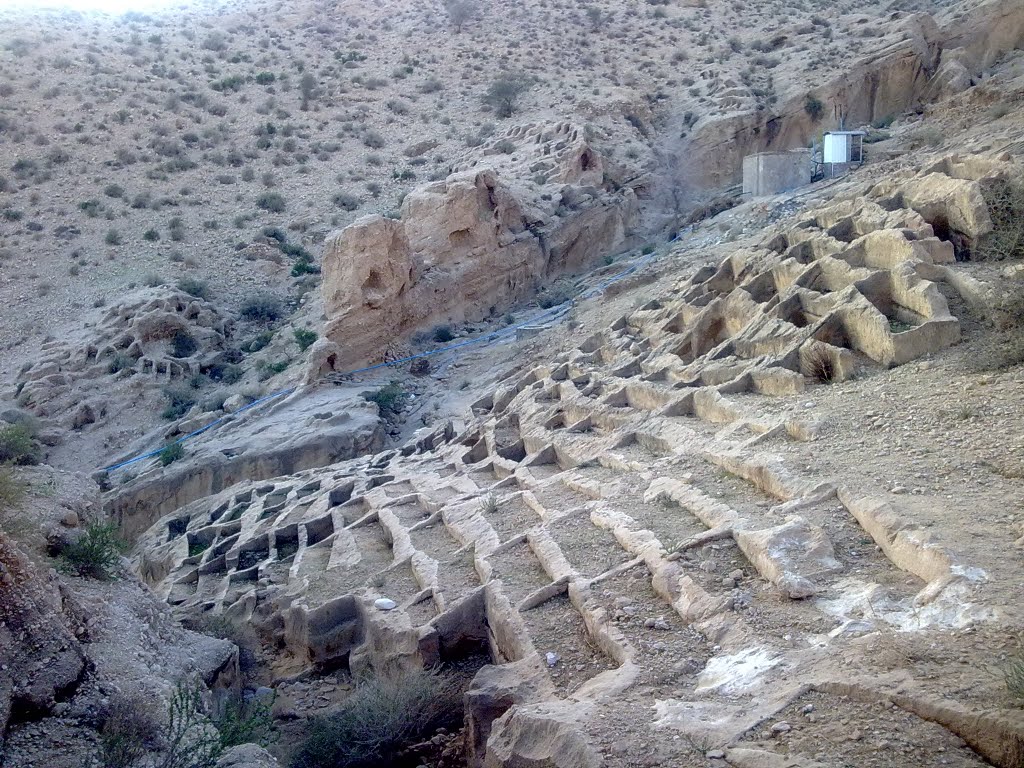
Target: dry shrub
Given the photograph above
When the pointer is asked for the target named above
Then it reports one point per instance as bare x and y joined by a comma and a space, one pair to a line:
1005, 201
130, 729
818, 364
383, 716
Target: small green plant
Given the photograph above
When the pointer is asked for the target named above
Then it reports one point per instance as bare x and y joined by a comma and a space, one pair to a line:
304, 266
489, 506
113, 237
171, 453
279, 367
227, 373
151, 235
96, 554
927, 136
814, 108
1013, 675
197, 548
193, 287
390, 399
190, 739
262, 308
373, 139
305, 338
18, 445
381, 718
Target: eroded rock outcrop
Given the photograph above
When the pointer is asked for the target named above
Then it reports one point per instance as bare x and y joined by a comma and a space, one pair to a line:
473, 244
157, 334
72, 647
616, 527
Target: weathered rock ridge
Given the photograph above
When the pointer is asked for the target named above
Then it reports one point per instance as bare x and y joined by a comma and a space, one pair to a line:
473, 244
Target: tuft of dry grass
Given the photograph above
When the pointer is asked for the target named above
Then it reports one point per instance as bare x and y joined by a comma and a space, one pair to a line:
817, 364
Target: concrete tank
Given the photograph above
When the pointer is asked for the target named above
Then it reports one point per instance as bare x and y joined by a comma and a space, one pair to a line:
771, 173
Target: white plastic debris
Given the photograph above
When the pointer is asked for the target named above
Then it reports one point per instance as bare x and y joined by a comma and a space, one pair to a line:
384, 604
552, 658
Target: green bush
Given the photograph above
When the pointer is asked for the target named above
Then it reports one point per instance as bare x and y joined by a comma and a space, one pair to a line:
304, 266
151, 235
503, 94
113, 237
347, 201
171, 453
96, 554
270, 201
814, 108
18, 445
305, 338
193, 287
390, 398
379, 719
262, 308
179, 400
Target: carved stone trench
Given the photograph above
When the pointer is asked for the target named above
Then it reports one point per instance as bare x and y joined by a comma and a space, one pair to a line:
616, 517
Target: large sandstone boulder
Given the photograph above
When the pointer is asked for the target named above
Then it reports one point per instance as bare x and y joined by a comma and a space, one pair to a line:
471, 245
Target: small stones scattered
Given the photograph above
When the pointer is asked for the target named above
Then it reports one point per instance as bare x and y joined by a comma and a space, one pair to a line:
689, 666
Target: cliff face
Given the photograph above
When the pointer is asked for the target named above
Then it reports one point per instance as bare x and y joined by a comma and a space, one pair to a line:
925, 61
473, 244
